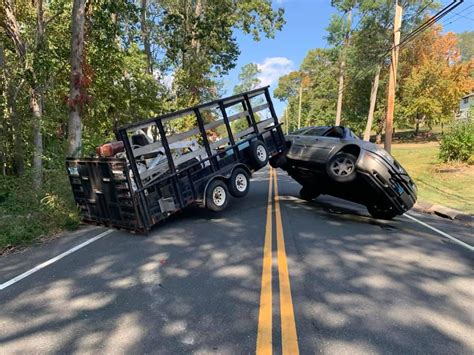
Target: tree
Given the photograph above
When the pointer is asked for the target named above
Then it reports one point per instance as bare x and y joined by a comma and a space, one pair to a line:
466, 45
199, 43
435, 80
77, 95
9, 22
339, 35
318, 97
248, 78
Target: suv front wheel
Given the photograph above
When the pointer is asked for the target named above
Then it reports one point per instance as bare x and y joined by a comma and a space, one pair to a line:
342, 167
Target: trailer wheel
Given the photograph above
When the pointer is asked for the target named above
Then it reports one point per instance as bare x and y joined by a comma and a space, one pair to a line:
217, 196
239, 183
258, 154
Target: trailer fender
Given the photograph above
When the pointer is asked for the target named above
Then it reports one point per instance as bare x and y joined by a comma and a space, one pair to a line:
243, 166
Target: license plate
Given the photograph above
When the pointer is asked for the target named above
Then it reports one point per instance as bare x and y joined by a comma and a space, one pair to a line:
399, 189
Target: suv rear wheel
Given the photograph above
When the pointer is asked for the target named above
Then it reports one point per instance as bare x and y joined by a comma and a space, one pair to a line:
308, 194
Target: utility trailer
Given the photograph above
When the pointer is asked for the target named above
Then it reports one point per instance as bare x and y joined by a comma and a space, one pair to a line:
196, 156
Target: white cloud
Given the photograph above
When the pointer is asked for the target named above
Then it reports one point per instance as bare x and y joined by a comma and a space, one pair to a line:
272, 68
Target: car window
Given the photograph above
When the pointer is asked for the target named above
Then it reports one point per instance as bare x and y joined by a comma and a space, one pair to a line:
298, 131
352, 135
335, 132
318, 131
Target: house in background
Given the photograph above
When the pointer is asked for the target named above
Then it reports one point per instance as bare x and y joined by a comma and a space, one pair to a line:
465, 106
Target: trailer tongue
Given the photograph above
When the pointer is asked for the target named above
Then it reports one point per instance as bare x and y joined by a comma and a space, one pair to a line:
199, 155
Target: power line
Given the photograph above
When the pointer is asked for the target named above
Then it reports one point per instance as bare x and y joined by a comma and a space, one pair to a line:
457, 14
416, 32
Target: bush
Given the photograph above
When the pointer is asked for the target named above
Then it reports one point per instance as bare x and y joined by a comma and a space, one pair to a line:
458, 144
26, 214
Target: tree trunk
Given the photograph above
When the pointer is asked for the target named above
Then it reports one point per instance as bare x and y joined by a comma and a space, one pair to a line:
18, 151
380, 126
300, 102
146, 35
417, 127
36, 104
3, 112
37, 111
10, 24
342, 69
76, 97
373, 100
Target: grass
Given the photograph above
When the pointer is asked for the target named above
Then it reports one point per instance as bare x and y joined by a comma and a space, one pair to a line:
446, 184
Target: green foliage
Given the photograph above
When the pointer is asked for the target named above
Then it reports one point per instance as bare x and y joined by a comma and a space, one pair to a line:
26, 214
248, 78
199, 44
466, 45
191, 41
458, 144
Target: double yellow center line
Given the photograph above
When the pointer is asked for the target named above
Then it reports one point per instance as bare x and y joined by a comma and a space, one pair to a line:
289, 338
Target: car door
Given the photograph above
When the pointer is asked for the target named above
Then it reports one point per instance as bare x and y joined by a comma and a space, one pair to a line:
298, 146
317, 145
330, 142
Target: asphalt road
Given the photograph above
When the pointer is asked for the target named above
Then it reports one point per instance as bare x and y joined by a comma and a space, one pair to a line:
194, 285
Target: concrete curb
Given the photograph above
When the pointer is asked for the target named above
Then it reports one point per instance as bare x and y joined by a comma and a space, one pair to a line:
442, 211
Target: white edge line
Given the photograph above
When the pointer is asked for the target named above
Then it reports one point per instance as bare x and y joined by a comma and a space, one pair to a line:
455, 240
53, 260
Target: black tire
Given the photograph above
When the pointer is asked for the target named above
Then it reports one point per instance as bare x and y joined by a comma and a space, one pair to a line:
217, 196
342, 167
239, 183
387, 213
308, 194
278, 161
258, 154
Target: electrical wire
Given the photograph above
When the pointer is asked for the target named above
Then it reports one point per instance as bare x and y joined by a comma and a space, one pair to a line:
416, 32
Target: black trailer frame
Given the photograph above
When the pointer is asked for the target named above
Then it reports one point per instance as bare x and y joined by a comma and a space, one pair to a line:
177, 180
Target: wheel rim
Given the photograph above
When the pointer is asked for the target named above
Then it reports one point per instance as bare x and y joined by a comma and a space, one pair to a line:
218, 196
342, 166
261, 153
241, 182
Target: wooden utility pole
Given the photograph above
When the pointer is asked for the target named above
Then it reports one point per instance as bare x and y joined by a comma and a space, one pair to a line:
299, 105
342, 69
393, 77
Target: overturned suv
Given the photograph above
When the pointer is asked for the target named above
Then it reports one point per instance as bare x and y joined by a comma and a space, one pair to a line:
334, 161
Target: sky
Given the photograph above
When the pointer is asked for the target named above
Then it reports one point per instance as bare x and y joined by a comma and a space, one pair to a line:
305, 29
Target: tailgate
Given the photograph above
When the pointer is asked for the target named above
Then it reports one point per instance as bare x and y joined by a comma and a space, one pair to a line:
102, 191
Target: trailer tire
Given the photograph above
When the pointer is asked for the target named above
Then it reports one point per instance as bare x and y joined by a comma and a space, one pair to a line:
239, 183
217, 196
258, 154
